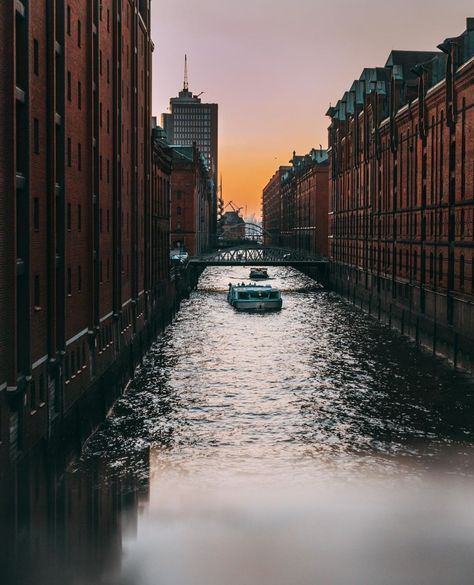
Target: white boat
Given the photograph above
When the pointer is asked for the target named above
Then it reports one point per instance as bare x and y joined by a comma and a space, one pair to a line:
254, 297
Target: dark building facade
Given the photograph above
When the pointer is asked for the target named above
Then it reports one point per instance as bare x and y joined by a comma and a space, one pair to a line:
191, 121
402, 194
191, 201
80, 268
295, 204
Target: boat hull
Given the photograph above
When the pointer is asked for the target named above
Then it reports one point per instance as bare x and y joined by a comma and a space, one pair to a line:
256, 305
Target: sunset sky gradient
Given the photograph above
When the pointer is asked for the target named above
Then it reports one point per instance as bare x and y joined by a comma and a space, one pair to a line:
274, 66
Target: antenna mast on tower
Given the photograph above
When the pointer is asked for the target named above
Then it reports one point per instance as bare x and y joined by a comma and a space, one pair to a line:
186, 85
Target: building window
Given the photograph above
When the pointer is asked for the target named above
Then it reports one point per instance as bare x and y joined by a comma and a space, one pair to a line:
36, 57
100, 114
68, 21
36, 139
79, 278
100, 62
37, 292
178, 210
108, 20
36, 214
79, 217
108, 122
79, 95
69, 282
42, 390
440, 267
32, 396
463, 221
79, 33
69, 86
461, 271
69, 153
69, 216
108, 71
100, 219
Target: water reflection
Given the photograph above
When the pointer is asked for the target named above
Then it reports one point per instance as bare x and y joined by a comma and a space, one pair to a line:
237, 440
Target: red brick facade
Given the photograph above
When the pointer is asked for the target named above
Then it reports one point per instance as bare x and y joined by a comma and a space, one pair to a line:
295, 205
80, 272
191, 201
402, 191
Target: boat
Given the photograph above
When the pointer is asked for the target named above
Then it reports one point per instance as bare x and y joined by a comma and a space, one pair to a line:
254, 297
258, 273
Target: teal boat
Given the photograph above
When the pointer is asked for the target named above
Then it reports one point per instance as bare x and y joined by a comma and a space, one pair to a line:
254, 297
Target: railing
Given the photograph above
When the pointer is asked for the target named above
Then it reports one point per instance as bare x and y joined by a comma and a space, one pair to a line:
258, 256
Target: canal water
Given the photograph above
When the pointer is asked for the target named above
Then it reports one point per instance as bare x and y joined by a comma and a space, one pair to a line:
311, 445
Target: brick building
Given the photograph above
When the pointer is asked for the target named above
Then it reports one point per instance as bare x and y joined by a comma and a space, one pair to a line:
271, 208
191, 201
78, 272
295, 204
402, 193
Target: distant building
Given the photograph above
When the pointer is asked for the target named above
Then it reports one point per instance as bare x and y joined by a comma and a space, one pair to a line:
295, 204
232, 226
191, 121
402, 194
191, 204
271, 208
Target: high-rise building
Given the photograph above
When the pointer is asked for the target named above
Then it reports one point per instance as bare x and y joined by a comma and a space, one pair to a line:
191, 121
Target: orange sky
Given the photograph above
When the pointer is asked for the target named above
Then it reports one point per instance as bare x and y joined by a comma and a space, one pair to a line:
273, 66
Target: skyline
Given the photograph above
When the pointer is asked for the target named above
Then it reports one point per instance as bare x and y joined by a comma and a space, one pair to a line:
273, 96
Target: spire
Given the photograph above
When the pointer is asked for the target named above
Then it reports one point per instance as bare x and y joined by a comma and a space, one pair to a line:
186, 85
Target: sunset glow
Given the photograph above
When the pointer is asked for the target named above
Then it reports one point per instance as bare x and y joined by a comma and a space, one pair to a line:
274, 66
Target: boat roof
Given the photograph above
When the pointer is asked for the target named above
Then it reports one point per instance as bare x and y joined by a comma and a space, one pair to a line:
251, 286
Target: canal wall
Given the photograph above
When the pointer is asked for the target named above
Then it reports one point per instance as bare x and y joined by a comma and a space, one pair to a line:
70, 428
420, 314
94, 405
